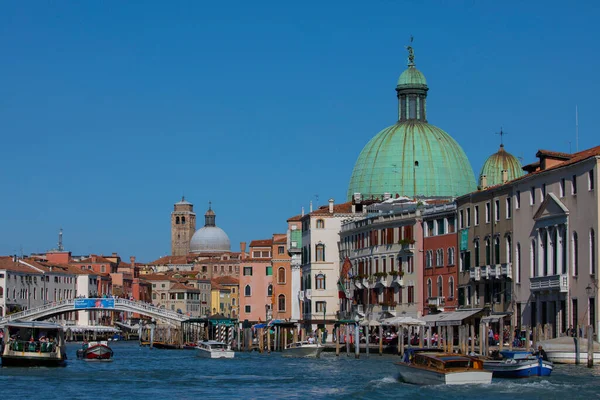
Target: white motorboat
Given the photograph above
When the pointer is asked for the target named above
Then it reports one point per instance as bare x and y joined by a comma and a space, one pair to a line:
214, 349
303, 349
518, 364
432, 368
562, 350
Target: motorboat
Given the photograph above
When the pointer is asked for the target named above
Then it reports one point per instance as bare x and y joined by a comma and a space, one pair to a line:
303, 349
33, 343
563, 350
214, 349
95, 351
518, 364
428, 367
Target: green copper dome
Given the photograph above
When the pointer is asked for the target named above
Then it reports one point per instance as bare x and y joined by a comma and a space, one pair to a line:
498, 162
412, 158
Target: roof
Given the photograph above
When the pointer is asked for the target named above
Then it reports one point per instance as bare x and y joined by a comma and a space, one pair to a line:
553, 154
341, 208
226, 280
99, 259
295, 218
8, 263
498, 162
157, 277
261, 243
173, 260
181, 286
411, 76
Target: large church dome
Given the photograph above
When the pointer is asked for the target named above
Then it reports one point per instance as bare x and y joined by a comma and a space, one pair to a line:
412, 158
210, 238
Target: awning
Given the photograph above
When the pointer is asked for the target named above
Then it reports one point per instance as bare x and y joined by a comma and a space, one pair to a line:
493, 318
369, 323
432, 319
397, 321
457, 317
259, 326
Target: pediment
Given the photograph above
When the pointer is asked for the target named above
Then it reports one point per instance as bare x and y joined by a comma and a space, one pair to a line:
551, 207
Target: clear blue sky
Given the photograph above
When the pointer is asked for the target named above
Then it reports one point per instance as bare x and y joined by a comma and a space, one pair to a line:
110, 111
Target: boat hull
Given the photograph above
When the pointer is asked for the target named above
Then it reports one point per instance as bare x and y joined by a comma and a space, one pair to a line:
216, 353
98, 352
32, 361
569, 357
303, 352
419, 376
519, 368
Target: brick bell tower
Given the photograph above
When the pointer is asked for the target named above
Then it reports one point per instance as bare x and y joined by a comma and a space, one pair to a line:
183, 226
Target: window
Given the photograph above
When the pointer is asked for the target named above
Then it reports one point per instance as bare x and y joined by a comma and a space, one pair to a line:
281, 275
248, 309
256, 254
533, 259
451, 287
591, 179
476, 245
269, 270
320, 306
592, 252
247, 290
575, 254
183, 220
497, 250
265, 254
429, 259
451, 256
461, 219
488, 213
320, 282
562, 187
574, 184
543, 191
497, 210
441, 227
440, 291
468, 217
176, 220
508, 250
1, 292
320, 250
429, 290
281, 302
532, 196
247, 271
488, 252
518, 263
320, 224
518, 199
270, 290
508, 208
281, 250
439, 257
476, 212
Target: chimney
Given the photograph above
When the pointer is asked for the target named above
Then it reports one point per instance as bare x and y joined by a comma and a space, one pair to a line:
310, 208
243, 247
303, 211
483, 182
330, 206
132, 260
504, 176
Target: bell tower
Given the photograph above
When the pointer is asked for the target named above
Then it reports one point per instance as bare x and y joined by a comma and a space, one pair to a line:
183, 226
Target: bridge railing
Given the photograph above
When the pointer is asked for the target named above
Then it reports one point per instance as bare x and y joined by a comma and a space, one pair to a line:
150, 308
37, 310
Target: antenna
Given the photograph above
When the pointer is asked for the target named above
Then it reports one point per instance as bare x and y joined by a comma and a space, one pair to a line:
501, 133
60, 243
576, 129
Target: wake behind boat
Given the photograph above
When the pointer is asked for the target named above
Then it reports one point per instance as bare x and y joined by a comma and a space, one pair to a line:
427, 367
95, 351
303, 349
518, 364
214, 349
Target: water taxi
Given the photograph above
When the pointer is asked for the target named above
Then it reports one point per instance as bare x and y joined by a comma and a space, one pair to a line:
33, 343
303, 349
95, 351
427, 367
518, 364
214, 349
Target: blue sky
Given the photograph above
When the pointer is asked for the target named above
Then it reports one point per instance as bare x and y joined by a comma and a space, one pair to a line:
110, 111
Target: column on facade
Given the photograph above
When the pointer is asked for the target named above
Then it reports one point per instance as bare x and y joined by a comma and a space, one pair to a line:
559, 250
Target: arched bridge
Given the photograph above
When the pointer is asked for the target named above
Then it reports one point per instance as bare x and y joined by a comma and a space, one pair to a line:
103, 304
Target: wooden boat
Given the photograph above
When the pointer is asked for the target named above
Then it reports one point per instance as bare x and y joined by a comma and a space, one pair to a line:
33, 343
563, 350
427, 367
214, 349
303, 349
95, 351
518, 364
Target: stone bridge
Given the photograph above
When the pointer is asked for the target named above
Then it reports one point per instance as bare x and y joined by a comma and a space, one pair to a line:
65, 306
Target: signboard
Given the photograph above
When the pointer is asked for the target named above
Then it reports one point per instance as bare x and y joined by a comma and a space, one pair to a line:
464, 240
94, 303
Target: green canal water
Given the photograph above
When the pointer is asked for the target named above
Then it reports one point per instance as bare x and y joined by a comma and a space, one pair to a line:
143, 373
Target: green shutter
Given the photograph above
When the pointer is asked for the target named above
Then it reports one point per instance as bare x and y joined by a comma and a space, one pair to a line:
269, 270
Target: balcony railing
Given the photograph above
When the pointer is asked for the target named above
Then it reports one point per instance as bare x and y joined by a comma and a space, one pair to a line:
436, 301
553, 283
398, 280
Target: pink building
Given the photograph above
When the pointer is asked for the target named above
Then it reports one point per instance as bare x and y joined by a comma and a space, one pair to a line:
256, 283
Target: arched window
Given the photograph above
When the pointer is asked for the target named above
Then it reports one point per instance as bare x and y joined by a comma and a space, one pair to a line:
440, 289
163, 296
320, 252
281, 302
429, 294
508, 249
592, 252
429, 259
451, 287
320, 224
320, 282
518, 263
497, 250
439, 257
270, 290
488, 252
247, 290
575, 254
183, 220
451, 260
533, 259
476, 246
281, 275
177, 220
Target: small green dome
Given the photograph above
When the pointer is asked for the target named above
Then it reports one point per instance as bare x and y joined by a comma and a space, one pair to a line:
387, 164
412, 76
498, 162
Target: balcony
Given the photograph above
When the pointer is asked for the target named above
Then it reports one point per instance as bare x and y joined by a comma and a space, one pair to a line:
558, 283
383, 281
389, 309
507, 270
475, 273
407, 247
308, 294
301, 295
436, 301
398, 280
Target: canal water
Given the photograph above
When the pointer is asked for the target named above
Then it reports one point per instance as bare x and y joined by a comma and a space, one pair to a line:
143, 373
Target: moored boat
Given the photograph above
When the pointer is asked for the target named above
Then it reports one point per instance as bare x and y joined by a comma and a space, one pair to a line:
33, 343
303, 349
563, 350
95, 351
518, 364
427, 367
214, 349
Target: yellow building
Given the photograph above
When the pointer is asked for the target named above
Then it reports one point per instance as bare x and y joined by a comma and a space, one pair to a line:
230, 287
220, 297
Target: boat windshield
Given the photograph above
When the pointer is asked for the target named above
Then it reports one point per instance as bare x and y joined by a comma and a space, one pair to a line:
218, 346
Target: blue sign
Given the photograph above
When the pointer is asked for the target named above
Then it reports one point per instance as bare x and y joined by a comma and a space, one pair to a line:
94, 303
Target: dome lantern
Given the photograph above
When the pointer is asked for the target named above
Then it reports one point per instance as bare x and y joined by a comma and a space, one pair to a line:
411, 91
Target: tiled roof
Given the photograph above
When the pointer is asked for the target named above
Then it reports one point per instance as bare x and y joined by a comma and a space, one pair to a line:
279, 240
295, 218
261, 243
99, 259
173, 260
554, 154
342, 208
226, 280
181, 286
157, 277
8, 264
